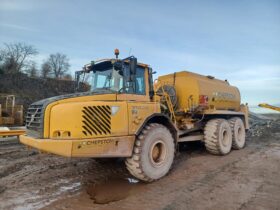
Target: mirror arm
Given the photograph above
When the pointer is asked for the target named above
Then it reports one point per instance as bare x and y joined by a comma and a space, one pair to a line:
151, 85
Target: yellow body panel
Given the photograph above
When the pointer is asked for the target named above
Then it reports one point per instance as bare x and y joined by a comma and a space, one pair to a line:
65, 116
138, 112
81, 99
99, 147
245, 110
68, 117
128, 119
11, 132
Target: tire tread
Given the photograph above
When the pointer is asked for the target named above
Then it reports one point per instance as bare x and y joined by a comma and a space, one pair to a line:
133, 164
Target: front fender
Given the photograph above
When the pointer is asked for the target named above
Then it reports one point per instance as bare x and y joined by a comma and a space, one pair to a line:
160, 119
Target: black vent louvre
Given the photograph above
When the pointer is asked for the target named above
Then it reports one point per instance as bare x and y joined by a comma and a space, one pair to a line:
96, 120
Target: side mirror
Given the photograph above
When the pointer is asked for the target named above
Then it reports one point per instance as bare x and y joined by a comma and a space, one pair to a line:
151, 84
118, 65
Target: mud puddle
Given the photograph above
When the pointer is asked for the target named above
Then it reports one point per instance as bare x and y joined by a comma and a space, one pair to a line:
113, 190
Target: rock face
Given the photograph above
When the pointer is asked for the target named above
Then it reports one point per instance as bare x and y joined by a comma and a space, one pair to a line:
28, 90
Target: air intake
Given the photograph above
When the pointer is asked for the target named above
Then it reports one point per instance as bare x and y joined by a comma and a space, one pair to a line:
96, 120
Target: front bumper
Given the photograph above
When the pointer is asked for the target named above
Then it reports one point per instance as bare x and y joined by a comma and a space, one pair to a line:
101, 147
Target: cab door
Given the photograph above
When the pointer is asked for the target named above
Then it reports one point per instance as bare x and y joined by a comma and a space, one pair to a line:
139, 105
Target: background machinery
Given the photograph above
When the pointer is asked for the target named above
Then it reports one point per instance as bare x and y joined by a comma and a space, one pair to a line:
264, 105
126, 114
10, 115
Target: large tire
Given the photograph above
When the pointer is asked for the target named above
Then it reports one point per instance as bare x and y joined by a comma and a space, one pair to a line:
153, 153
238, 133
218, 137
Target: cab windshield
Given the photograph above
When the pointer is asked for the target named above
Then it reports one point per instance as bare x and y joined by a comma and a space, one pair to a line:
108, 79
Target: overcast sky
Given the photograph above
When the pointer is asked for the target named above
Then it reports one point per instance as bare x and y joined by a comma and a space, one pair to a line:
234, 40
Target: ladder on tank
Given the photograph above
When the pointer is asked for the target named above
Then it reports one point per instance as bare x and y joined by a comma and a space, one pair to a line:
167, 99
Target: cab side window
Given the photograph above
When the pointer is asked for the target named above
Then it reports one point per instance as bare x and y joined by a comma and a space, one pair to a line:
140, 81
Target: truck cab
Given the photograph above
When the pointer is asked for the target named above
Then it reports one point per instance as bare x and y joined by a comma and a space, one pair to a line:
121, 77
101, 122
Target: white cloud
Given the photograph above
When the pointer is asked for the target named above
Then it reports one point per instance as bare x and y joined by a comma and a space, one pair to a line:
16, 27
263, 71
259, 84
263, 77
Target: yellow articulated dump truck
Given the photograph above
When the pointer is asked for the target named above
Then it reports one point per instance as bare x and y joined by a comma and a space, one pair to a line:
126, 114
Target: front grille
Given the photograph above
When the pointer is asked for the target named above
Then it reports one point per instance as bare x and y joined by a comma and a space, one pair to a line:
96, 120
34, 117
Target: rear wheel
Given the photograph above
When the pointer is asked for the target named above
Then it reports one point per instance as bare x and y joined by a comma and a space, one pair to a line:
153, 153
238, 133
218, 136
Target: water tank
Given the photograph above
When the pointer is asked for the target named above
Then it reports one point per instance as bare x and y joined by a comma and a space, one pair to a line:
198, 92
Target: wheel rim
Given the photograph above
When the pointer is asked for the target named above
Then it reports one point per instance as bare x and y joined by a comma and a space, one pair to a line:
158, 153
225, 138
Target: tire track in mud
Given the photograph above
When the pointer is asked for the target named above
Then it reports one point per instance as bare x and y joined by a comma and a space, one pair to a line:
237, 179
11, 169
163, 191
33, 180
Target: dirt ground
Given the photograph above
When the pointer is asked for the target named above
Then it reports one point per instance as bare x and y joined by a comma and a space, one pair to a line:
244, 179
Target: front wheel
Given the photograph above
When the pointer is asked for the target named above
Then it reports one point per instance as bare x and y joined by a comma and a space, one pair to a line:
153, 153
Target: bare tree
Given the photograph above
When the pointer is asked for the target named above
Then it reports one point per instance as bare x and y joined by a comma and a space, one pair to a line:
32, 70
45, 70
59, 64
68, 77
1, 65
1, 55
15, 57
